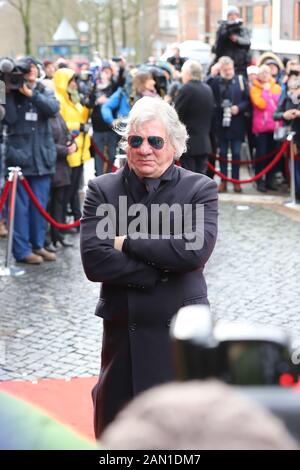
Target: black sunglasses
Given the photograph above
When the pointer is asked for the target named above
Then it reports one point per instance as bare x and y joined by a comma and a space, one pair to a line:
135, 141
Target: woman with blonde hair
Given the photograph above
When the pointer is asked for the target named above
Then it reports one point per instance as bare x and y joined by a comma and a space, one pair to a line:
264, 95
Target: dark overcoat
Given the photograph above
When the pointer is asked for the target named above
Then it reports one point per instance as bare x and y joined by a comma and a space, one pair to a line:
195, 107
236, 90
145, 285
30, 143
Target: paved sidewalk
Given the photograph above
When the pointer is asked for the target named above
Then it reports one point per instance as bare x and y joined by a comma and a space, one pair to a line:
48, 327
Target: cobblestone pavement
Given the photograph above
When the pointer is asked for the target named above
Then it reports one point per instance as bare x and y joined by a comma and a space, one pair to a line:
47, 326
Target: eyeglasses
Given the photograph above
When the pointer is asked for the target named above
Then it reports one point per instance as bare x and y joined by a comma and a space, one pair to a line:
156, 142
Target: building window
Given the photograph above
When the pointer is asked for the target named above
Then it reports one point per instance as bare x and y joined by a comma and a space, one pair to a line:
249, 15
265, 14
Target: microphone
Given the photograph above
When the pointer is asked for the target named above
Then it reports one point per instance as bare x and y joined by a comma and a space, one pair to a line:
2, 113
6, 65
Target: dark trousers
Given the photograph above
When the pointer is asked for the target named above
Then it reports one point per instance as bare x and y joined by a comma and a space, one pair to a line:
236, 155
265, 144
72, 191
57, 209
196, 163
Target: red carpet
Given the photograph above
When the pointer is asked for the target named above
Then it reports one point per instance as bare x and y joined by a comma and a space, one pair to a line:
68, 402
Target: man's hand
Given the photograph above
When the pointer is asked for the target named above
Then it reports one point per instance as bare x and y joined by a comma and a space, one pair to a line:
233, 38
26, 91
118, 244
234, 110
101, 100
72, 148
291, 114
215, 70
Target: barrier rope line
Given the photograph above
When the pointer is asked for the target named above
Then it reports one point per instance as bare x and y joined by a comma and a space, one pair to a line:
4, 194
244, 162
44, 213
103, 157
259, 175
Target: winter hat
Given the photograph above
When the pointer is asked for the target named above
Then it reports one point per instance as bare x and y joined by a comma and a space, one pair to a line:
232, 9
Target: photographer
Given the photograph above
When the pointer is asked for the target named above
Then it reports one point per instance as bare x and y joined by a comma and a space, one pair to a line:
232, 101
233, 40
30, 145
289, 110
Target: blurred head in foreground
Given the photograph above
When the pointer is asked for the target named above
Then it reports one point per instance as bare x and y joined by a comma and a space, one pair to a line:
196, 415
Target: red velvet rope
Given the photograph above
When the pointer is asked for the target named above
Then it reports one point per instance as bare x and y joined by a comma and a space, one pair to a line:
44, 213
259, 175
245, 162
4, 194
103, 157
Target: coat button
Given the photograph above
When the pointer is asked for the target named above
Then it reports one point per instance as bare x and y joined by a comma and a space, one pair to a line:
129, 285
132, 327
168, 323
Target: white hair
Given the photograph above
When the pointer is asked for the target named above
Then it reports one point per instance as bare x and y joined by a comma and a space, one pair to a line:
194, 69
152, 109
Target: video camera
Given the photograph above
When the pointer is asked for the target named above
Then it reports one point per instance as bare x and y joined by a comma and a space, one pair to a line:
12, 72
236, 353
260, 361
232, 26
86, 88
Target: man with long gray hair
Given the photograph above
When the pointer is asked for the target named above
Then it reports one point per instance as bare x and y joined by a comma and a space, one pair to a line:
146, 233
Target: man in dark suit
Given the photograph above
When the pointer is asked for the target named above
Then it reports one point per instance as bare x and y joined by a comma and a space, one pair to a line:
149, 268
195, 107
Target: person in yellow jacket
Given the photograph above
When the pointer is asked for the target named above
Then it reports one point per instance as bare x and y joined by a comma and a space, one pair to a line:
76, 117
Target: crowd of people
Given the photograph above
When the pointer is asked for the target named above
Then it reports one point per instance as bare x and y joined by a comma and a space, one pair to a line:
58, 120
154, 113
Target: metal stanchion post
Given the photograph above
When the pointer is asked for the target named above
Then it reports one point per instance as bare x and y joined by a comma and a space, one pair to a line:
292, 202
8, 270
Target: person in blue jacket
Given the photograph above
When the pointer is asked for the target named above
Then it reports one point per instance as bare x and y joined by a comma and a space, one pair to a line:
30, 145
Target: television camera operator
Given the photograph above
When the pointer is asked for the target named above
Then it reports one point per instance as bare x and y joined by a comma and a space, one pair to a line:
29, 107
233, 40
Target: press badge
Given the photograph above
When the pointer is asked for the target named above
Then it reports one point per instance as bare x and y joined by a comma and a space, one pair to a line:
31, 116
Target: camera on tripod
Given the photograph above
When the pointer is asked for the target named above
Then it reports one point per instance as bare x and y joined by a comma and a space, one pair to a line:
236, 353
12, 72
226, 105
